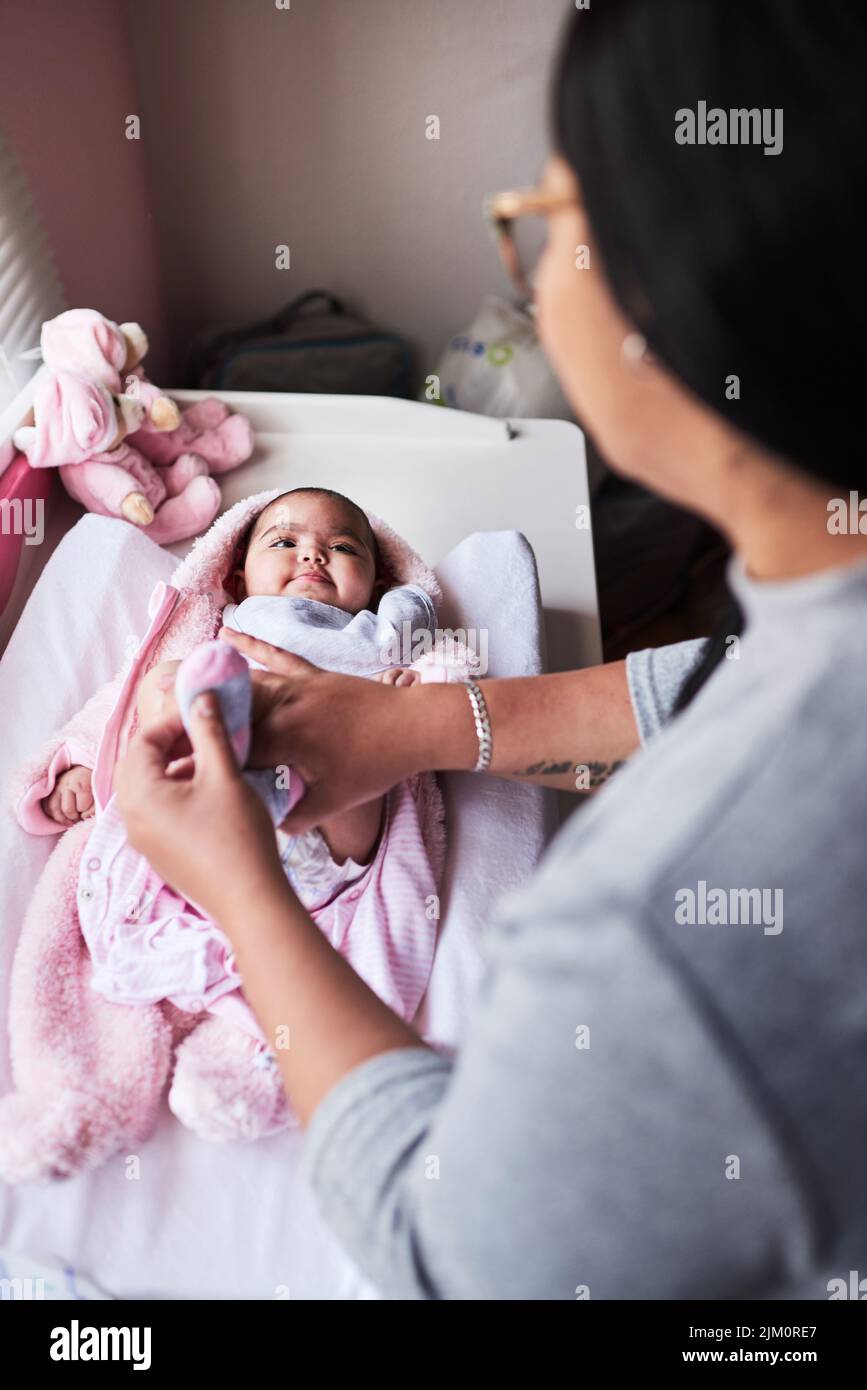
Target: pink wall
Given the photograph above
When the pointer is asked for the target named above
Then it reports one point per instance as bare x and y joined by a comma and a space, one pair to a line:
66, 88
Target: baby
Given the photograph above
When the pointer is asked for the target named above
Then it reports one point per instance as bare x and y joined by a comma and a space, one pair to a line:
308, 578
306, 573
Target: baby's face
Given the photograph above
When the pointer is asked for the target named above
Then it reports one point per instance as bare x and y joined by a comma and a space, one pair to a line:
310, 547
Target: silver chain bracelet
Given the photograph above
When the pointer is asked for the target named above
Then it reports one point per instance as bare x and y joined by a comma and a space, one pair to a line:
483, 724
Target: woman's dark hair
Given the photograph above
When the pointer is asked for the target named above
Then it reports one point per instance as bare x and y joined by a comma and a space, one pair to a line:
731, 261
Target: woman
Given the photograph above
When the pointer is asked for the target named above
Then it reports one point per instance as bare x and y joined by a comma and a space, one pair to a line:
660, 1093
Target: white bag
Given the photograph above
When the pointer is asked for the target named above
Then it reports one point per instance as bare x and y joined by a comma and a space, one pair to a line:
496, 367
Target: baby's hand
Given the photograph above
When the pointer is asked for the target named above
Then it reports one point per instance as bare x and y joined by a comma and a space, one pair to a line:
72, 797
398, 675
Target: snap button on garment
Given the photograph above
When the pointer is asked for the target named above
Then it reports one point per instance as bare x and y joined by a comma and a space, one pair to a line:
93, 863
86, 893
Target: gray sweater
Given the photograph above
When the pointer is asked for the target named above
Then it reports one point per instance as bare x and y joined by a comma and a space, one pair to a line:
661, 1091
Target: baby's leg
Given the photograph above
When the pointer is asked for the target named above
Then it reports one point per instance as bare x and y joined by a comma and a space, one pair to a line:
155, 694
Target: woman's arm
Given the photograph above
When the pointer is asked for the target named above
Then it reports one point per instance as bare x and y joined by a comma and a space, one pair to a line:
569, 730
352, 739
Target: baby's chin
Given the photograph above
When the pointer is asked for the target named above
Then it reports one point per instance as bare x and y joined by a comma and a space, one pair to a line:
326, 593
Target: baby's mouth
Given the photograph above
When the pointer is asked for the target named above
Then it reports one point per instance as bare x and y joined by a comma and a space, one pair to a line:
310, 579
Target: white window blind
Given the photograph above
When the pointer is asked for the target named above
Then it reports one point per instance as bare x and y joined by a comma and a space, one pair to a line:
30, 287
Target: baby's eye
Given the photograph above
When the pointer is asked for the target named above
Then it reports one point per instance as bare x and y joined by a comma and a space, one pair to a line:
281, 540
343, 546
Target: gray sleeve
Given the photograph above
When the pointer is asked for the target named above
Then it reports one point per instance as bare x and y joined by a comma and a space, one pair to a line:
408, 603
655, 677
576, 1146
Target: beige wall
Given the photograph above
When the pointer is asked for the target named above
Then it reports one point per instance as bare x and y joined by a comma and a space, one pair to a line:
306, 126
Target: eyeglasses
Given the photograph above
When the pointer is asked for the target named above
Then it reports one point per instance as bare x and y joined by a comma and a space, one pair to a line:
501, 211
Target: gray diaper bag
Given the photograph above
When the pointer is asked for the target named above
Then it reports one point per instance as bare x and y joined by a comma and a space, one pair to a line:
313, 344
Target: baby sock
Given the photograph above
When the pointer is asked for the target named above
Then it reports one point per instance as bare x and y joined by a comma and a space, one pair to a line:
218, 667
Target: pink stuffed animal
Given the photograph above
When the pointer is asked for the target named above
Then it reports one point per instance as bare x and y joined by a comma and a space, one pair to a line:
80, 428
124, 448
85, 342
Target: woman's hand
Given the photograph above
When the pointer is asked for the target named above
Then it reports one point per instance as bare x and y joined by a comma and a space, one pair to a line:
209, 835
350, 738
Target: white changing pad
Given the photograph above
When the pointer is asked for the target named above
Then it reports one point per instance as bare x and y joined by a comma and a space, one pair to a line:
233, 1221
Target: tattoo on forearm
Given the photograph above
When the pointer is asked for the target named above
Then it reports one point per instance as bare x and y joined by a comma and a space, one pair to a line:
544, 769
588, 776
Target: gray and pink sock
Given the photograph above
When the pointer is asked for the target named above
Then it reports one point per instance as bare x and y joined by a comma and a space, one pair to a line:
218, 667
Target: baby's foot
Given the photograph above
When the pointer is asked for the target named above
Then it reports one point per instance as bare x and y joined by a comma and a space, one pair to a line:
228, 1086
